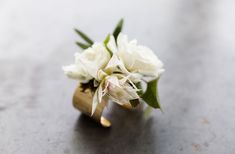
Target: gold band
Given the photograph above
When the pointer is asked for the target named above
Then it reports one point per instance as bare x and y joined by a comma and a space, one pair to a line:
83, 102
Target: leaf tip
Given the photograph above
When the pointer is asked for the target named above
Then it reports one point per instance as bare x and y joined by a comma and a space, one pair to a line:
118, 28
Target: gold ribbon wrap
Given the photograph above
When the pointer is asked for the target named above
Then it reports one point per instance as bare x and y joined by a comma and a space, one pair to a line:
83, 102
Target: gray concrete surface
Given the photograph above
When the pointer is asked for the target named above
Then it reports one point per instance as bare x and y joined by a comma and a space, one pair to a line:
194, 38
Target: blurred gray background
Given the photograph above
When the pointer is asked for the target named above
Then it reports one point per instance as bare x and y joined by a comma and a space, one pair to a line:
194, 38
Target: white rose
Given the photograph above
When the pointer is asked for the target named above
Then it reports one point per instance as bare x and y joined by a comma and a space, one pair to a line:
88, 63
77, 72
136, 58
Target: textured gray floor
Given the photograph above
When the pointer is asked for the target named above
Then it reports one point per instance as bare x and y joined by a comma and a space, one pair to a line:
194, 38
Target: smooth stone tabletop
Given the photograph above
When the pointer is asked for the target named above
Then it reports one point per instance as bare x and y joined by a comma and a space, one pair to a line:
194, 38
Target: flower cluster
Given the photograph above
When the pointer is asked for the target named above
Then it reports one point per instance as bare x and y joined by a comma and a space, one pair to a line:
116, 69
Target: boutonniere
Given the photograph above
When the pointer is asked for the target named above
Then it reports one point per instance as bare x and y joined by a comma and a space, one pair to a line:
116, 69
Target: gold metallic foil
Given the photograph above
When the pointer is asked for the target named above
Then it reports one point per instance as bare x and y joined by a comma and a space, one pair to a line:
83, 102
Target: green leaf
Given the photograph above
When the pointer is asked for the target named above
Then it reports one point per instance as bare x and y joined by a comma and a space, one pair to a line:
151, 94
84, 36
118, 29
135, 102
106, 41
82, 45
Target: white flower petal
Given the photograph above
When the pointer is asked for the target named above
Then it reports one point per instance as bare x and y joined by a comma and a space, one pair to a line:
95, 102
115, 65
112, 44
120, 91
101, 75
100, 92
137, 58
94, 58
77, 73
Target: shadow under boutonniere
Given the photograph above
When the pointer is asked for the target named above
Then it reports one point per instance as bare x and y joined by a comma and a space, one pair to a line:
130, 132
